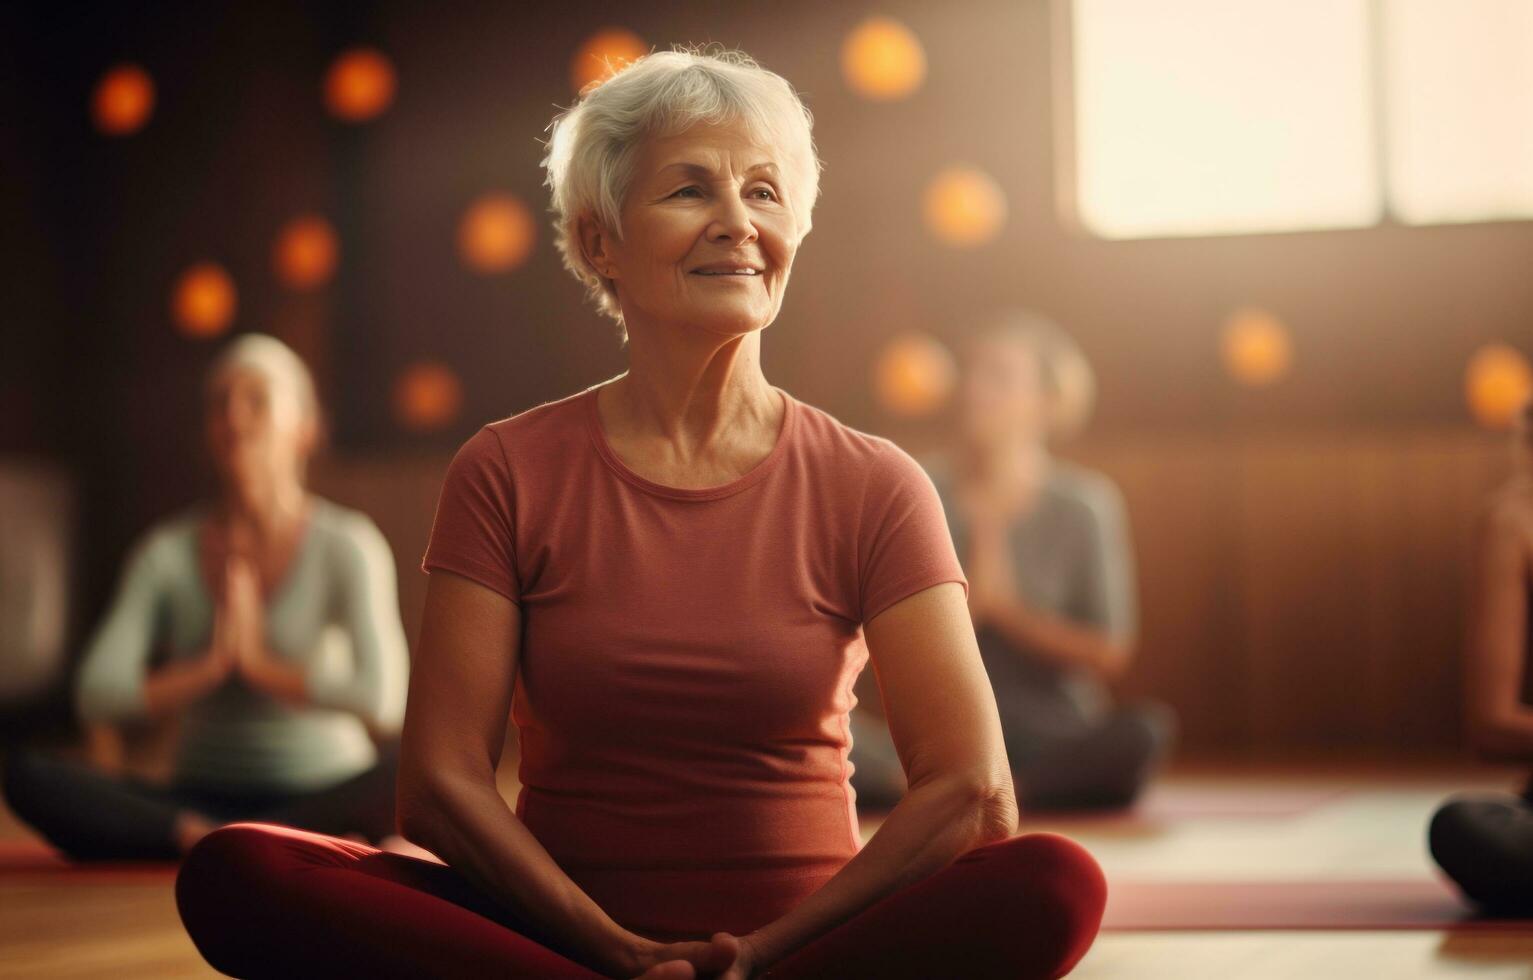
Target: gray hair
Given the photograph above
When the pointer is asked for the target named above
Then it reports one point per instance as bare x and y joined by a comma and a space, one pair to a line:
278, 362
1069, 384
595, 143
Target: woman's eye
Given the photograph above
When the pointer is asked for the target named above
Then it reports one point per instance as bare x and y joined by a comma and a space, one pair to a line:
684, 190
771, 194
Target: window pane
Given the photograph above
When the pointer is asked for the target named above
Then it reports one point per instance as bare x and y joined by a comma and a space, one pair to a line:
1460, 108
1218, 116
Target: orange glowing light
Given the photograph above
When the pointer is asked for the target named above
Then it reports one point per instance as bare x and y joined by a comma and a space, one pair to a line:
882, 59
304, 255
496, 233
1256, 347
123, 101
964, 207
1497, 383
359, 85
203, 300
427, 395
914, 375
604, 53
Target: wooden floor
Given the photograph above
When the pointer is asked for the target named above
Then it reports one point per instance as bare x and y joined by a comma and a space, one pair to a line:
1376, 830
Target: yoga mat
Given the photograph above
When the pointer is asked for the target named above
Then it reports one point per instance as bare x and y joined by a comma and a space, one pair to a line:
36, 861
1414, 903
1165, 804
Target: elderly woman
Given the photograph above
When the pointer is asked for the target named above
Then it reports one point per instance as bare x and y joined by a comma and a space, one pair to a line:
1484, 841
671, 581
261, 598
1046, 545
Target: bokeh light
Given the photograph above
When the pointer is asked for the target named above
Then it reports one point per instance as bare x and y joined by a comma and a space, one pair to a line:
304, 256
427, 396
359, 85
964, 207
496, 233
123, 101
914, 375
203, 300
882, 59
604, 53
1256, 348
1497, 383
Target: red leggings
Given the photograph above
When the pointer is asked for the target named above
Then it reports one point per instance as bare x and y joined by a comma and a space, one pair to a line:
263, 900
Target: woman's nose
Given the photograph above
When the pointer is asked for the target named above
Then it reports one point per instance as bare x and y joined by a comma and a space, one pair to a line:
732, 221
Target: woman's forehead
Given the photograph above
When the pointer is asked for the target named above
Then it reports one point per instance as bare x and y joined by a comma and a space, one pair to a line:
703, 150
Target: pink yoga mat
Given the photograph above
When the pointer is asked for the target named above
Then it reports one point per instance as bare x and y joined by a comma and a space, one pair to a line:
1166, 804
1412, 903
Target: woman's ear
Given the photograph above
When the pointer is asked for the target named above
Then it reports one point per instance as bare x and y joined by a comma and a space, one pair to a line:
594, 241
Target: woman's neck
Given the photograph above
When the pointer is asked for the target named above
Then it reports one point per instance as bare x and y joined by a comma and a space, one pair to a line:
265, 510
688, 393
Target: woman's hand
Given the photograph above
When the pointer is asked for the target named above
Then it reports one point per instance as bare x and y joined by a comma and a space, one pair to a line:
725, 957
244, 616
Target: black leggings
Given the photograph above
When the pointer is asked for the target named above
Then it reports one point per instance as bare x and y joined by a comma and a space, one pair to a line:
1485, 844
92, 815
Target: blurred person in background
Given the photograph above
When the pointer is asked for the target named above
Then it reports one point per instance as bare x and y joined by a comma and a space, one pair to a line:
1047, 549
286, 665
1484, 841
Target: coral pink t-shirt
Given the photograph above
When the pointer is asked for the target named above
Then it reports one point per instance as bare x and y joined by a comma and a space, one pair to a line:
688, 655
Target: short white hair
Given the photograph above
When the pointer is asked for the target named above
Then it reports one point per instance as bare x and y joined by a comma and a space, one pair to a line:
270, 357
595, 143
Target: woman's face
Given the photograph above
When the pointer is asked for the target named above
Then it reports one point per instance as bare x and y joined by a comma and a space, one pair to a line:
1002, 395
257, 431
703, 204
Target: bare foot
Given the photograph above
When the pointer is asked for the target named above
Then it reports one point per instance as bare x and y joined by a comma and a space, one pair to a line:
398, 845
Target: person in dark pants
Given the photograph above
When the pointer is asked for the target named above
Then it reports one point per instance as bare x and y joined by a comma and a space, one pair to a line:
1047, 549
1484, 842
286, 660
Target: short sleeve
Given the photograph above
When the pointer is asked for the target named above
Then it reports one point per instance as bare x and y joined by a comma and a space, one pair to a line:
1108, 591
904, 545
473, 534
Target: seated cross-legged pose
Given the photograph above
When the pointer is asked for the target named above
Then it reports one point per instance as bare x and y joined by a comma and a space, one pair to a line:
286, 666
670, 581
1483, 841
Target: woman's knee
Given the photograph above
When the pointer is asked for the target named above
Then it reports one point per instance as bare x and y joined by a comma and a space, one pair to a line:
1060, 888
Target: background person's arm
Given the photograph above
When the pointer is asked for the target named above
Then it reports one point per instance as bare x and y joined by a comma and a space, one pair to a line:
945, 724
114, 682
459, 701
1102, 639
1500, 725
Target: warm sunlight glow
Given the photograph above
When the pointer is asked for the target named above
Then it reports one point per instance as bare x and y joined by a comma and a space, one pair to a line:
427, 396
964, 207
304, 256
496, 233
359, 85
203, 300
882, 60
123, 101
914, 375
1460, 102
1496, 384
1256, 347
603, 53
1197, 117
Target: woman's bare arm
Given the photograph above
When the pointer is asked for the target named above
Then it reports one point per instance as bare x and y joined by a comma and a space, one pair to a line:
943, 718
455, 724
1500, 725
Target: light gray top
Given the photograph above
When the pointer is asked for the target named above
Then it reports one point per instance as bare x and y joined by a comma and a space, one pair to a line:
335, 613
1072, 556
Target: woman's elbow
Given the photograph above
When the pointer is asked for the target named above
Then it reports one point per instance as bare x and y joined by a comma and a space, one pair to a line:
999, 814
